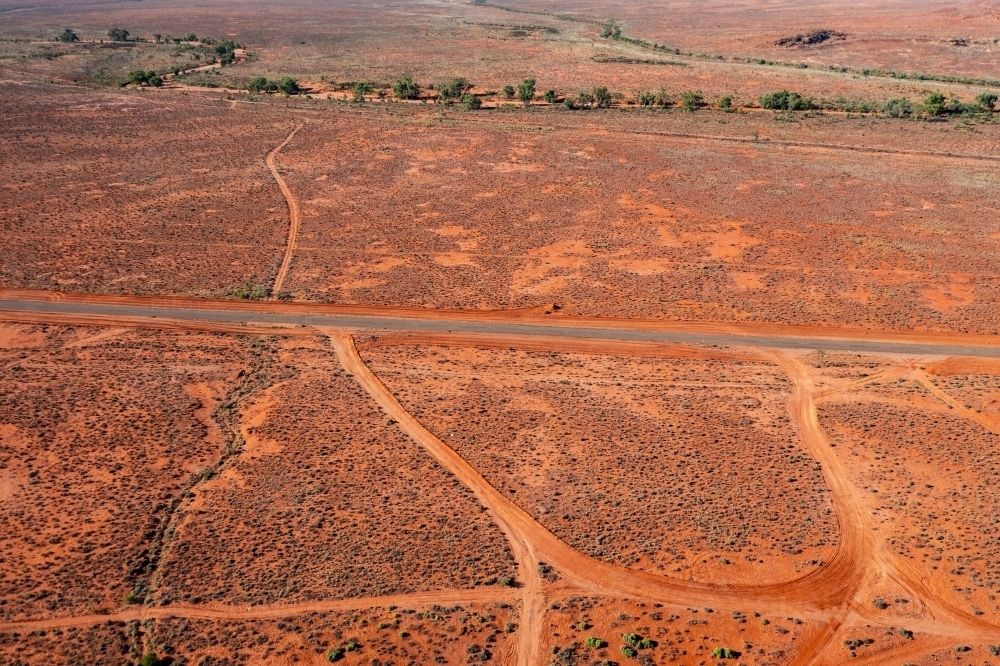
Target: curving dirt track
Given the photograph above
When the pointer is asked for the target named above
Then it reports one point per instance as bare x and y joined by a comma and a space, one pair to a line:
295, 217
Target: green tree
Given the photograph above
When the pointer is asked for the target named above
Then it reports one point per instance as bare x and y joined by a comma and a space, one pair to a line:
986, 100
898, 108
585, 99
934, 104
550, 96
470, 102
691, 100
68, 36
646, 98
359, 91
454, 89
405, 88
602, 97
118, 34
259, 84
138, 77
726, 102
526, 91
288, 85
508, 92
783, 100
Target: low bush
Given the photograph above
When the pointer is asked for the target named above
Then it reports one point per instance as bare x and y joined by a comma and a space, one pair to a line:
725, 653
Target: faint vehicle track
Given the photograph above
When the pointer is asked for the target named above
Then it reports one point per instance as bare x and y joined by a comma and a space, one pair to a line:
295, 216
270, 611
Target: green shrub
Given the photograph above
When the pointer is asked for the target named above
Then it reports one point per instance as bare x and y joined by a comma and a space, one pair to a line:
139, 76
352, 645
68, 36
336, 654
934, 104
550, 96
628, 652
508, 92
259, 84
602, 97
405, 88
783, 100
288, 85
898, 108
632, 640
470, 102
149, 659
726, 102
593, 642
646, 98
986, 100
359, 90
526, 91
506, 581
249, 292
584, 99
118, 35
569, 102
646, 644
454, 89
905, 633
691, 100
724, 653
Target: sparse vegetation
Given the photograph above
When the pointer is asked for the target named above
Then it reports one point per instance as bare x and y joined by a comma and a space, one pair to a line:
118, 35
68, 36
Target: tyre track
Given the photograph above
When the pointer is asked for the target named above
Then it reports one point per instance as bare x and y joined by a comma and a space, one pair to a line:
271, 611
295, 217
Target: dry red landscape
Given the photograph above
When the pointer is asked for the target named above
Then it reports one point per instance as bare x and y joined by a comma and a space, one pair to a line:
319, 345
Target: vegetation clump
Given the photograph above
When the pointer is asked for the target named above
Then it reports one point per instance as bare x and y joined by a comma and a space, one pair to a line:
118, 35
138, 77
725, 653
405, 88
784, 100
691, 100
526, 91
68, 36
260, 84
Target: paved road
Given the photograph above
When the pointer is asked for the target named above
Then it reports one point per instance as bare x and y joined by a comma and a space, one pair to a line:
389, 323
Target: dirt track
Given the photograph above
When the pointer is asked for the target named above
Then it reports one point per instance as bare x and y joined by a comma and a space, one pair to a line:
295, 217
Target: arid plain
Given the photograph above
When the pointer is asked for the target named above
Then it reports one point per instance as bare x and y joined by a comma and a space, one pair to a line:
689, 351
